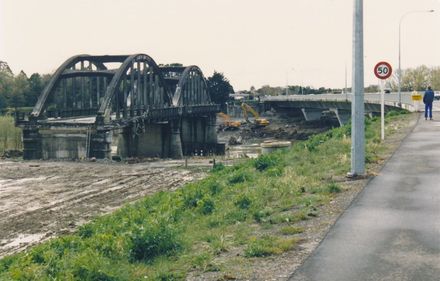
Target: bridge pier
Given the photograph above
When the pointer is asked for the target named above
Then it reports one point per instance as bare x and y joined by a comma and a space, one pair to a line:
176, 151
311, 114
342, 115
199, 136
100, 143
31, 143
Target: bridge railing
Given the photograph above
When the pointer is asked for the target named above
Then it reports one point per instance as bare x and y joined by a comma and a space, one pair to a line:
391, 99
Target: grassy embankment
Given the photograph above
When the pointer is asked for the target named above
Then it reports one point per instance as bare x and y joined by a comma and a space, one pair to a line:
10, 136
252, 209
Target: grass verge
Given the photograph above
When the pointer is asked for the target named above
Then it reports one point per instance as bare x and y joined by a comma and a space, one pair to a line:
235, 209
10, 136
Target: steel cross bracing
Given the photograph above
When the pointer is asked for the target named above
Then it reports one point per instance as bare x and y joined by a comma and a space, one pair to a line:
121, 89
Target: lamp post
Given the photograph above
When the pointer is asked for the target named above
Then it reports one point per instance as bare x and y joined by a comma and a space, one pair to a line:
400, 35
357, 102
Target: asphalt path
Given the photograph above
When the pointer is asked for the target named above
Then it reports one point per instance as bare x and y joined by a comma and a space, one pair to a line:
392, 229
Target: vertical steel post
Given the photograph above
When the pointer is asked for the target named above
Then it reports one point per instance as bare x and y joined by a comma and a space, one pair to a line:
357, 104
82, 87
90, 79
144, 88
138, 87
131, 90
98, 89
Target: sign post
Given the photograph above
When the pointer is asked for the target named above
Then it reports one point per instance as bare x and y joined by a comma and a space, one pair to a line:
383, 71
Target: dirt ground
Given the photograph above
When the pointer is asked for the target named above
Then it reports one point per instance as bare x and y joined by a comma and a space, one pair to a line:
40, 199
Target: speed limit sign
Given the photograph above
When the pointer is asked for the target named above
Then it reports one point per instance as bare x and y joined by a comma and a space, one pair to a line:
383, 70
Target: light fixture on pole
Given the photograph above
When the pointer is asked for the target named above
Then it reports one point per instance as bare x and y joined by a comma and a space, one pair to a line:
400, 35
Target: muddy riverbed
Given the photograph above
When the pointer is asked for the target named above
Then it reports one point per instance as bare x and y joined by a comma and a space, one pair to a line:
40, 199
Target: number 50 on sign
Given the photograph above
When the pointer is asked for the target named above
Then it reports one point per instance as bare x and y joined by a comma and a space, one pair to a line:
383, 70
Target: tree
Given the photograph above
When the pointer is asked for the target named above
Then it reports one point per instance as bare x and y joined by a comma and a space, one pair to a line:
36, 86
435, 78
20, 87
416, 79
219, 88
6, 84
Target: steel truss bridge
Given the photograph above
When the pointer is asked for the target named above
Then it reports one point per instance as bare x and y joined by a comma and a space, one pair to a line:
93, 100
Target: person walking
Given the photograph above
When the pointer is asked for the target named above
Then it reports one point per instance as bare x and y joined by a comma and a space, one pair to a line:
428, 98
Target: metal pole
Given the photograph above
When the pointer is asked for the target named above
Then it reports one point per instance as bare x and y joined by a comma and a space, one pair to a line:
382, 110
357, 104
400, 35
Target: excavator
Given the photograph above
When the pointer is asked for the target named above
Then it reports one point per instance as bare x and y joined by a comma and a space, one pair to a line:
228, 123
258, 120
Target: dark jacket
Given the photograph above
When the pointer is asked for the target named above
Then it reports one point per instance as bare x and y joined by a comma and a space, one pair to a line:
428, 97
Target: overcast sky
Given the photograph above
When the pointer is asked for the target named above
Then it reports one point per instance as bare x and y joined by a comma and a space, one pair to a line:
253, 42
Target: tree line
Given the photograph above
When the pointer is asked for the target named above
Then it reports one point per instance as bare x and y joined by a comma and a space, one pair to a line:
17, 91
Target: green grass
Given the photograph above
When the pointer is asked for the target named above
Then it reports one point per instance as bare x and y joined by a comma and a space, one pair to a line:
10, 136
247, 209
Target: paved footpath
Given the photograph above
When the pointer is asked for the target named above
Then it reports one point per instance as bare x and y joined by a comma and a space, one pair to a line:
392, 230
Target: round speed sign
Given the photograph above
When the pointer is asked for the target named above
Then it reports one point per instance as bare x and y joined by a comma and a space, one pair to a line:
383, 70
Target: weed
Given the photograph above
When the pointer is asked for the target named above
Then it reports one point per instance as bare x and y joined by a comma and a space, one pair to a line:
152, 240
262, 215
265, 161
243, 202
207, 206
333, 188
215, 188
85, 231
268, 245
290, 230
218, 167
239, 176
192, 196
168, 276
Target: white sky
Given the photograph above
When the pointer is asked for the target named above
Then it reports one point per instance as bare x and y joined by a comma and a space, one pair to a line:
253, 42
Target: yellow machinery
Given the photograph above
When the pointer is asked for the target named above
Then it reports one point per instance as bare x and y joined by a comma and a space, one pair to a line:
227, 122
258, 120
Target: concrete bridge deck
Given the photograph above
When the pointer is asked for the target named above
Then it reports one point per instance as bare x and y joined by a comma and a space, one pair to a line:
392, 230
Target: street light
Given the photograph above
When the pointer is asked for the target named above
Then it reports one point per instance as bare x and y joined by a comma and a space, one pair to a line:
400, 35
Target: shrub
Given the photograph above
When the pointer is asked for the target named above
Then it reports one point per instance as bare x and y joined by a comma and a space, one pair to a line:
192, 196
85, 231
215, 188
243, 202
265, 161
152, 240
207, 206
90, 266
239, 177
218, 167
